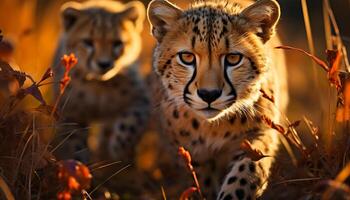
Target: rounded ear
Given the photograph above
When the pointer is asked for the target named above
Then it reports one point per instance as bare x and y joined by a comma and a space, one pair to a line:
70, 13
161, 15
263, 15
134, 11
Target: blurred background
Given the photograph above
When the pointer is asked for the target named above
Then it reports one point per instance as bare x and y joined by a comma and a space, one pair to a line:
33, 27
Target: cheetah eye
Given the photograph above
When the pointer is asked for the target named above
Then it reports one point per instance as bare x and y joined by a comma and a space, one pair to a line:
233, 59
88, 42
186, 58
117, 43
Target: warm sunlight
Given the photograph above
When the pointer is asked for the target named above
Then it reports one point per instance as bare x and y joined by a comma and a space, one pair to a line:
174, 99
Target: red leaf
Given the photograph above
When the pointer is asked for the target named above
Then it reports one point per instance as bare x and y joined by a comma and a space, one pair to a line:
187, 158
185, 155
64, 83
334, 59
188, 193
273, 125
68, 62
64, 195
268, 97
314, 58
73, 184
251, 152
74, 175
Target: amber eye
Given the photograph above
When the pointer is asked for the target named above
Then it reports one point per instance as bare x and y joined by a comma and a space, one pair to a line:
186, 58
233, 59
117, 43
88, 42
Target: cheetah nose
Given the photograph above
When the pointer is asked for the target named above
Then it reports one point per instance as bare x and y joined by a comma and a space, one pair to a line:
209, 95
104, 65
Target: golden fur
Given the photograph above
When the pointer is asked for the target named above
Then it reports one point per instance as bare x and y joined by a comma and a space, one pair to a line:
210, 105
103, 31
106, 88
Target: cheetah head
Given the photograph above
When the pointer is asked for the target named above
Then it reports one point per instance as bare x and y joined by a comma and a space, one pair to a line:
212, 56
104, 35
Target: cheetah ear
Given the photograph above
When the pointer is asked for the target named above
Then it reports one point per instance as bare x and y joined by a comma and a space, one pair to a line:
162, 15
264, 15
134, 11
70, 13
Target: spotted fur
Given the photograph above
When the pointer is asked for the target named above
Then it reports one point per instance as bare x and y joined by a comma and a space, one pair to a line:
107, 88
209, 104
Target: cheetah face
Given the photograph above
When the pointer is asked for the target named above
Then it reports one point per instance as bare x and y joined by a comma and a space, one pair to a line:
105, 39
210, 89
210, 58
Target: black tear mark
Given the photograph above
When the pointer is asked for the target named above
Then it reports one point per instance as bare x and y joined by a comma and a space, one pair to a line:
193, 42
253, 66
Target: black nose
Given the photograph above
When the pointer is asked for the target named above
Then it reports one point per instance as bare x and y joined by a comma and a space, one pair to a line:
104, 65
209, 95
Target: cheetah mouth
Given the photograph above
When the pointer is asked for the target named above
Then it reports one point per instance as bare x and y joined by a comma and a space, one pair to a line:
209, 109
102, 75
209, 112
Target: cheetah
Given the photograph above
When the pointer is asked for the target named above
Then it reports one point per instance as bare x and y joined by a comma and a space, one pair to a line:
107, 87
213, 65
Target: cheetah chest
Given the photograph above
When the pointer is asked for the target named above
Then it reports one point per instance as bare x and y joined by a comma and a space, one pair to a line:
90, 100
206, 139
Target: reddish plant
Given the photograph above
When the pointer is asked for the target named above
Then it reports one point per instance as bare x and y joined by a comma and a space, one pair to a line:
74, 176
336, 78
188, 160
68, 63
288, 132
188, 193
268, 97
252, 153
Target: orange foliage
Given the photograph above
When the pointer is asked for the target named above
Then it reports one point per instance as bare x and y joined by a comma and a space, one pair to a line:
188, 193
188, 160
68, 62
334, 60
74, 176
252, 153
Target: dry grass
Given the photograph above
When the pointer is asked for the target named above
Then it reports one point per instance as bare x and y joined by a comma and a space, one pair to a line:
314, 166
324, 160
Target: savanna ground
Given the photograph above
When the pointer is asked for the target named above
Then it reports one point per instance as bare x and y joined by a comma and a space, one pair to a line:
313, 161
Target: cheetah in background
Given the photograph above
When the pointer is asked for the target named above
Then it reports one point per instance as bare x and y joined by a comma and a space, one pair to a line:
107, 88
211, 63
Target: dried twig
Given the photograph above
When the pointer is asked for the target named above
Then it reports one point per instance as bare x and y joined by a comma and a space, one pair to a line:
163, 193
6, 189
251, 152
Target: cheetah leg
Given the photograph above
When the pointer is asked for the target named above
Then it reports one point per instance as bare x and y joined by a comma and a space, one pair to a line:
117, 142
120, 135
248, 179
